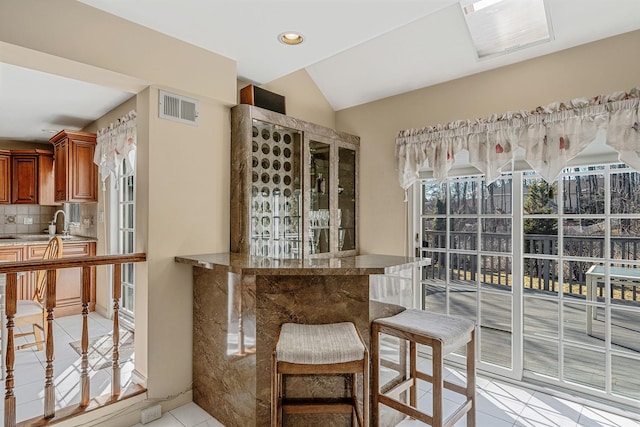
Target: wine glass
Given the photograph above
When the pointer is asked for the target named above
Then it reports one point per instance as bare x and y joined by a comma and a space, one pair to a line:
341, 239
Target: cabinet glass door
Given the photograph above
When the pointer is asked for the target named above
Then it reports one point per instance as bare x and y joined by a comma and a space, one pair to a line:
276, 203
319, 236
346, 199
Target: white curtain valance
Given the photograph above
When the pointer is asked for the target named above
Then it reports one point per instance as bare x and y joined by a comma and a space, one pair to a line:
115, 143
551, 136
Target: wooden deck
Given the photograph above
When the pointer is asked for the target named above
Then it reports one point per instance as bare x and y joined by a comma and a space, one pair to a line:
583, 354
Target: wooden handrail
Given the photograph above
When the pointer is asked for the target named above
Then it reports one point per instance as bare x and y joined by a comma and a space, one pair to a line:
71, 262
11, 269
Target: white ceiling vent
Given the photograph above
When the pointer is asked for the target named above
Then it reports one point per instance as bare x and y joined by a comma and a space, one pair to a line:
178, 108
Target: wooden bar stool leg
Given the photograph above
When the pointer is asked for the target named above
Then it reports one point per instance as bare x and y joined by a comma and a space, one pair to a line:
375, 361
366, 396
413, 390
280, 414
438, 369
471, 379
402, 348
274, 390
355, 419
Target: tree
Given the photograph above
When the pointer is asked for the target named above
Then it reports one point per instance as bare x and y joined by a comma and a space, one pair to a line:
540, 201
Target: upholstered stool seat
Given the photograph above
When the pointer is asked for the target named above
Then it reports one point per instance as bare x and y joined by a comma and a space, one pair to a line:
443, 334
330, 349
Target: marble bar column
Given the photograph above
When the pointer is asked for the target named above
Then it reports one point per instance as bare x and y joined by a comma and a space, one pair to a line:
224, 381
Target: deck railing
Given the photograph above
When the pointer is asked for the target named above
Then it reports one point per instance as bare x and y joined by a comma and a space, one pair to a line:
11, 269
540, 272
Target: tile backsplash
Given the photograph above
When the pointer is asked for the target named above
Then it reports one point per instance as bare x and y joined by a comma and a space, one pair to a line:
33, 219
13, 218
84, 224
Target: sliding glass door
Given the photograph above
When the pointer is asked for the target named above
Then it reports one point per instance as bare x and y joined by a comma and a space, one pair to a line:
549, 271
582, 280
466, 231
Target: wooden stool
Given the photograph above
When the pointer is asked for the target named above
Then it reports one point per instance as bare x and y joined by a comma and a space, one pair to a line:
443, 334
331, 349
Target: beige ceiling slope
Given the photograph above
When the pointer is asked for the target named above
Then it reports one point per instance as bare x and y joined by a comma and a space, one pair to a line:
77, 32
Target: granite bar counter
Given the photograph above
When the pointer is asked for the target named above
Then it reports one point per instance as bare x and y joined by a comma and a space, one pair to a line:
239, 303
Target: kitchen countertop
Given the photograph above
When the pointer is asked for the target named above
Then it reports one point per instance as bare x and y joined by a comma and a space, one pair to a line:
39, 239
353, 265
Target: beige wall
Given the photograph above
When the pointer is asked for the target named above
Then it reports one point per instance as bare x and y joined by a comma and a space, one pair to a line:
182, 172
303, 98
188, 213
597, 68
74, 31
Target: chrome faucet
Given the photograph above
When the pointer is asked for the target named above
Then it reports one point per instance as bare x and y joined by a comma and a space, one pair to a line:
65, 230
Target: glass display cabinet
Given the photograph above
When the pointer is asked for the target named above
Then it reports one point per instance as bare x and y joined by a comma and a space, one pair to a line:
275, 191
293, 187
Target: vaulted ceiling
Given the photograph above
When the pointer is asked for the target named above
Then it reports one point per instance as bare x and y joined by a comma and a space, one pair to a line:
356, 51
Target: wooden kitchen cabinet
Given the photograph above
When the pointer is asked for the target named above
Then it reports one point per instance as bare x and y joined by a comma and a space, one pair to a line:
69, 283
32, 177
5, 176
11, 254
76, 175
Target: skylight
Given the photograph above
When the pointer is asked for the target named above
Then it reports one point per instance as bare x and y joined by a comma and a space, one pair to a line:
501, 26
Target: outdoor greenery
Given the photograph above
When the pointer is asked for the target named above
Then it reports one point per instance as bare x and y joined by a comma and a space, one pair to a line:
576, 202
540, 200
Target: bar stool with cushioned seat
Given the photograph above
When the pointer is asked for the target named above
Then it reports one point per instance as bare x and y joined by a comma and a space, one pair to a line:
331, 349
443, 334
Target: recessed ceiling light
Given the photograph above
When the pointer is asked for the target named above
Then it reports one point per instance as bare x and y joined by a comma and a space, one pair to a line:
49, 130
291, 38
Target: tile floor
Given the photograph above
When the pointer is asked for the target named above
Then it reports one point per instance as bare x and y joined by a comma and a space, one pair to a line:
499, 403
502, 404
189, 415
29, 368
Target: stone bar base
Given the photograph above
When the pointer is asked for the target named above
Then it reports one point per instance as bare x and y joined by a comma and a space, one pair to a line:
239, 304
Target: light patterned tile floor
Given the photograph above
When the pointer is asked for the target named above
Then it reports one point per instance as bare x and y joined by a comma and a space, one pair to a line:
30, 363
189, 415
499, 404
505, 404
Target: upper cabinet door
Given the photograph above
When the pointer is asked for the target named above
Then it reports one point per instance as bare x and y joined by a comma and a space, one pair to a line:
320, 194
31, 175
24, 180
347, 198
331, 197
76, 176
5, 177
83, 172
